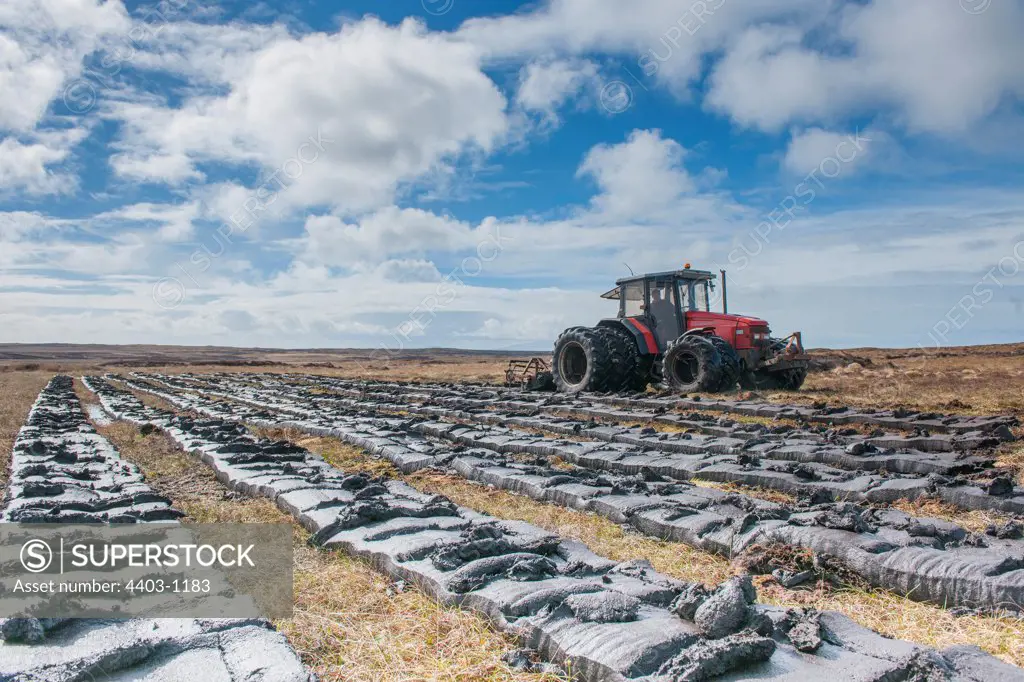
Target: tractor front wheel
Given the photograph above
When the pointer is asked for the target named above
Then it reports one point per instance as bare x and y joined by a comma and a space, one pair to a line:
583, 361
692, 364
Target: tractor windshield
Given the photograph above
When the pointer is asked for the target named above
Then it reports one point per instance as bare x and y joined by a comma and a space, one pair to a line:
693, 295
685, 294
703, 301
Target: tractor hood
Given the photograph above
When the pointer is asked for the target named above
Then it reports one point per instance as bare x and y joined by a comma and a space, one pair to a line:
700, 317
742, 332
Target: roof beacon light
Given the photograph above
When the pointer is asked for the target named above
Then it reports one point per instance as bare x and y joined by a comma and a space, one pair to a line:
686, 266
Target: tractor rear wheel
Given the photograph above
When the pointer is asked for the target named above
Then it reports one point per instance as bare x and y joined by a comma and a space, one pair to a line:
730, 363
635, 368
641, 374
692, 364
583, 361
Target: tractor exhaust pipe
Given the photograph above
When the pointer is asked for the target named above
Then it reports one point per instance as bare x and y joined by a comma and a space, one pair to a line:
725, 295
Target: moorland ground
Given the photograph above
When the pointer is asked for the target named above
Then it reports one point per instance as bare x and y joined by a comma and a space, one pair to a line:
965, 379
350, 623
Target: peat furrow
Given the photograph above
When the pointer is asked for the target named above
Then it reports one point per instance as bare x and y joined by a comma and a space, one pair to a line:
370, 433
924, 559
846, 451
608, 621
792, 468
62, 471
999, 426
65, 472
807, 480
469, 397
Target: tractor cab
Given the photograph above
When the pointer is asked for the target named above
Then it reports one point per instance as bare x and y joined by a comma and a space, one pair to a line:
664, 301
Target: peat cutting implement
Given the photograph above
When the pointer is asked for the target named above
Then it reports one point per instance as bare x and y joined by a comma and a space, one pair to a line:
532, 375
665, 333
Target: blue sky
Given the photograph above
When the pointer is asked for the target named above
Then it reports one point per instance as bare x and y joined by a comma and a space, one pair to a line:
454, 173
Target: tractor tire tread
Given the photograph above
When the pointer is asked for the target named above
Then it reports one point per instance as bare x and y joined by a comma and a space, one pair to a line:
636, 368
710, 366
601, 374
730, 363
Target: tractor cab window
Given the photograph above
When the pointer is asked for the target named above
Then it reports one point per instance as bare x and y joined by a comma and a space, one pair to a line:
694, 295
685, 295
702, 297
632, 295
663, 300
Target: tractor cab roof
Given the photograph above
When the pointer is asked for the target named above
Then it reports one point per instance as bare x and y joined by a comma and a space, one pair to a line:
686, 273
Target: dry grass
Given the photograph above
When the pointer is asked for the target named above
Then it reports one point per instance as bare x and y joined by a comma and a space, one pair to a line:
901, 618
190, 484
353, 624
348, 458
425, 367
973, 520
977, 380
557, 462
1011, 456
85, 396
148, 399
350, 623
751, 491
774, 421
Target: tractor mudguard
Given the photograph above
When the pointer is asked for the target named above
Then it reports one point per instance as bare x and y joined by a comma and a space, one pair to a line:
646, 343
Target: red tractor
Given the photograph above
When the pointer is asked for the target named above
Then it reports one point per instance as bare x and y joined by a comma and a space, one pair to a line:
666, 333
